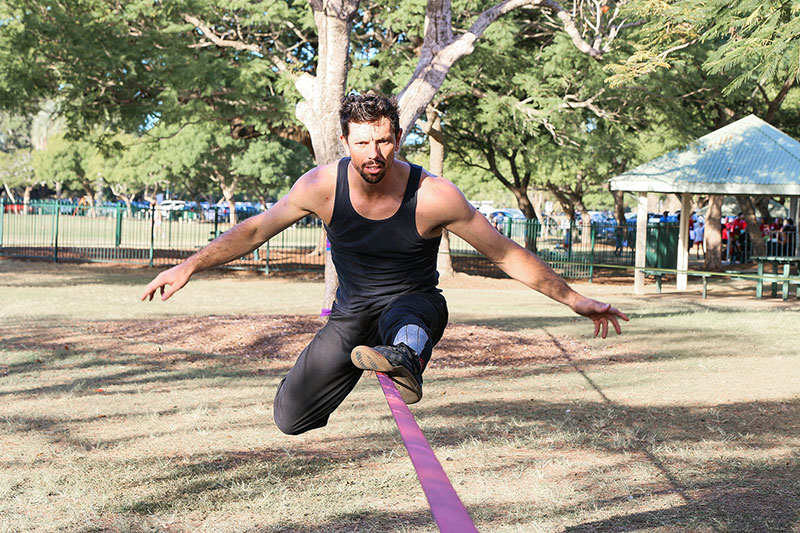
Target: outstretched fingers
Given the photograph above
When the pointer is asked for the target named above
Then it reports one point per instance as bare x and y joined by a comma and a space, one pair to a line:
605, 315
150, 290
166, 283
613, 315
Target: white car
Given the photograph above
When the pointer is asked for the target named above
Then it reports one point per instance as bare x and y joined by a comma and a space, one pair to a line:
171, 206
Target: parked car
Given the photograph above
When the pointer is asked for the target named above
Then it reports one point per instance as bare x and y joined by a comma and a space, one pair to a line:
171, 205
172, 209
513, 214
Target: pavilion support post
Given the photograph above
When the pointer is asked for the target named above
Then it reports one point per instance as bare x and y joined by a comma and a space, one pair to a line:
794, 212
641, 244
683, 241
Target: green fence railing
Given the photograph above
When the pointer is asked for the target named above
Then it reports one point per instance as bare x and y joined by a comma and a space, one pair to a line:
116, 233
62, 232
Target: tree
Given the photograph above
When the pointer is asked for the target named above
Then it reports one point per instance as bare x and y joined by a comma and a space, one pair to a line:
141, 62
534, 113
67, 162
16, 170
754, 43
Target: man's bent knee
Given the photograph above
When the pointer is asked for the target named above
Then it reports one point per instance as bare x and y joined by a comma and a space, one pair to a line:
296, 425
290, 419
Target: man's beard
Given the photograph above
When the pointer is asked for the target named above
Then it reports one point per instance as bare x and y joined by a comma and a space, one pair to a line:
373, 178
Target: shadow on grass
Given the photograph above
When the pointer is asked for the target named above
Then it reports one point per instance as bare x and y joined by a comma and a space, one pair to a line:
759, 494
754, 425
750, 491
522, 323
746, 499
374, 522
115, 360
49, 275
126, 381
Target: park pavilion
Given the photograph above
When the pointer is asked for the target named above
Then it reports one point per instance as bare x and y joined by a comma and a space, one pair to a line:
746, 157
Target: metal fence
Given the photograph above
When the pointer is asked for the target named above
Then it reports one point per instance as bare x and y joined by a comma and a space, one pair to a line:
740, 248
152, 236
573, 250
64, 232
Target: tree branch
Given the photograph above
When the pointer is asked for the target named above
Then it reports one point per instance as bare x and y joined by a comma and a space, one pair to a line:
209, 34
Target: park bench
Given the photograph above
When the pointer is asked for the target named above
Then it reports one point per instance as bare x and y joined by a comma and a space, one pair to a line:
784, 280
657, 274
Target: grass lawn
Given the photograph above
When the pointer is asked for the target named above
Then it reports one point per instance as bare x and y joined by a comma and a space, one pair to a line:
119, 415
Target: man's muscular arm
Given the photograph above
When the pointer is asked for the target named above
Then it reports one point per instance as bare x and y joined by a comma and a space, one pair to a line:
241, 239
456, 214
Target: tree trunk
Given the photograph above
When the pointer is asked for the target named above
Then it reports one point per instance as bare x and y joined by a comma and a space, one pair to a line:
8, 192
712, 236
537, 200
128, 199
88, 194
762, 204
444, 261
98, 192
322, 97
228, 192
322, 244
322, 94
753, 227
774, 106
619, 206
331, 284
26, 198
586, 225
523, 202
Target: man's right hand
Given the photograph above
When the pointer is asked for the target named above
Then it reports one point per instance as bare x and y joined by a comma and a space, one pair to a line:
173, 279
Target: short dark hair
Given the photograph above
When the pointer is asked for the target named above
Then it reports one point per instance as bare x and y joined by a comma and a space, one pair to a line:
362, 108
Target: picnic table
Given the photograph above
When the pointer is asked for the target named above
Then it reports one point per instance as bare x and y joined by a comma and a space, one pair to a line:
786, 263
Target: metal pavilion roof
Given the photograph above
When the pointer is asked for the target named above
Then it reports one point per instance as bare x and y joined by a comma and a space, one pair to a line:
748, 156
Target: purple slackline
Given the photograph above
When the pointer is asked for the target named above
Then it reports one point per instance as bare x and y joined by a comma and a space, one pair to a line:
448, 512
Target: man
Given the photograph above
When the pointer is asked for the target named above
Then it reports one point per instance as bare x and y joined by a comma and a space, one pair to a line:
384, 220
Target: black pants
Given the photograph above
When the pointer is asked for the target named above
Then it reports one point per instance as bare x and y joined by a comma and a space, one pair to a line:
323, 375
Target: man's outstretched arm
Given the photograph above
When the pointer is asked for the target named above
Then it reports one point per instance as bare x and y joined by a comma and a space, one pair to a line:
519, 263
236, 242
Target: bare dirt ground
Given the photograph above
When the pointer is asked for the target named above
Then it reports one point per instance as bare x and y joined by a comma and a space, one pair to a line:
282, 337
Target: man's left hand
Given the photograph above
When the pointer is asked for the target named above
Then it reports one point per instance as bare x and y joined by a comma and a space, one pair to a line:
601, 314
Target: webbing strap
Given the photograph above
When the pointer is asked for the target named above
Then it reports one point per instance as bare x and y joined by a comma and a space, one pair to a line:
448, 512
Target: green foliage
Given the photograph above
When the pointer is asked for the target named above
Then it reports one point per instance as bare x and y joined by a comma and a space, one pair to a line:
125, 66
759, 41
64, 161
751, 41
533, 112
16, 169
270, 165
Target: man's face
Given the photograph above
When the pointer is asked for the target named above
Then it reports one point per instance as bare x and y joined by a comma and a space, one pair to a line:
371, 147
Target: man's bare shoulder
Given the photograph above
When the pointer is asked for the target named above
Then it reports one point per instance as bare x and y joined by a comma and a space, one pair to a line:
315, 189
318, 178
439, 200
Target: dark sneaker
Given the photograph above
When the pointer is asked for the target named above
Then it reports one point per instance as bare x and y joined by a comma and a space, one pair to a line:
400, 363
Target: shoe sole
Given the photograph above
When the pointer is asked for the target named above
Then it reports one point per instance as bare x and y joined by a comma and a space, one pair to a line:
366, 358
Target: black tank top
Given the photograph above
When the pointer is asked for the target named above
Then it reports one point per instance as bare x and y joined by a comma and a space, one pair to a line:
377, 260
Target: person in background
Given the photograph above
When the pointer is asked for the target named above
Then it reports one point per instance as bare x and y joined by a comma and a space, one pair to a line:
699, 232
786, 237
